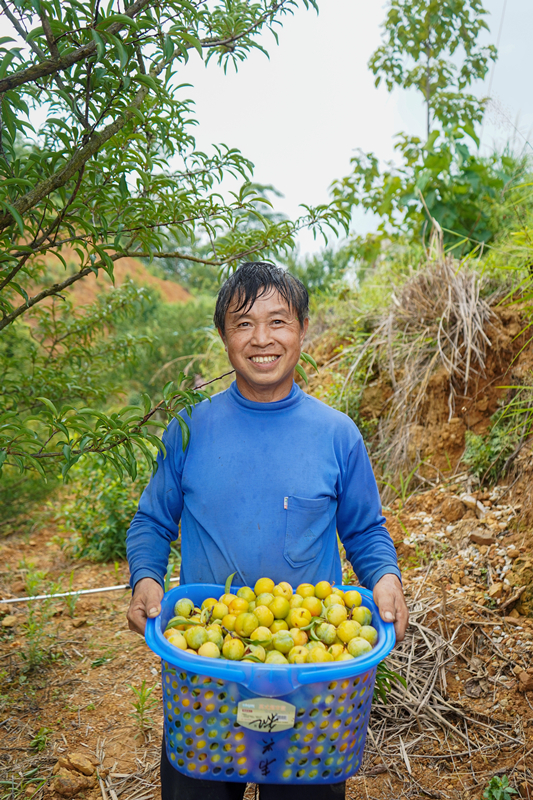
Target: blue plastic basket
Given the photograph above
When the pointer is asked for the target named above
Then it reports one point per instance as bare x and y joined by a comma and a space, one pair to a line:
264, 723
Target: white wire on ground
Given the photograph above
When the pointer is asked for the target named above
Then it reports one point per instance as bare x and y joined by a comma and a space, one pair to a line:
71, 594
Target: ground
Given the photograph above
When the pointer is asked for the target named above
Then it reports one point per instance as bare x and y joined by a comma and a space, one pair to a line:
465, 715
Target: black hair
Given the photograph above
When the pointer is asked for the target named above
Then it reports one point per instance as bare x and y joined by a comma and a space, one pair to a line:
253, 279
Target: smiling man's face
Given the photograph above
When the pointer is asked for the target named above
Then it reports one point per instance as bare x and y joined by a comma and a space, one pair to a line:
264, 345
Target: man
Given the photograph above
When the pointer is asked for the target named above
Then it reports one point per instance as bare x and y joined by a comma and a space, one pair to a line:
268, 478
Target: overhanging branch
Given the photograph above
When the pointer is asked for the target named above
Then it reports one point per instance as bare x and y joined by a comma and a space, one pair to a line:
53, 290
51, 66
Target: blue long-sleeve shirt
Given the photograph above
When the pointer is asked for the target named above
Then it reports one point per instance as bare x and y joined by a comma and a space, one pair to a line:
261, 490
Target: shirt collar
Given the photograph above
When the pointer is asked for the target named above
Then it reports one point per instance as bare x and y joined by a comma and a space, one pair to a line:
294, 397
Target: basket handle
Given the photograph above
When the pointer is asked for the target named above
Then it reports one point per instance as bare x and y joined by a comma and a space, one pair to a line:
273, 682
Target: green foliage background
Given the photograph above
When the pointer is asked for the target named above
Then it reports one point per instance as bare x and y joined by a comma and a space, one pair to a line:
100, 510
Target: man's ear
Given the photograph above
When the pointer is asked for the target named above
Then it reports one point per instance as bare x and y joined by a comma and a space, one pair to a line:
304, 329
223, 338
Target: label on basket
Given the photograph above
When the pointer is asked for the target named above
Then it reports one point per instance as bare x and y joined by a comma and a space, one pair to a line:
266, 714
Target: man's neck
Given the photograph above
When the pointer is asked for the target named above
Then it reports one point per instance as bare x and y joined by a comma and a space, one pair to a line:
264, 394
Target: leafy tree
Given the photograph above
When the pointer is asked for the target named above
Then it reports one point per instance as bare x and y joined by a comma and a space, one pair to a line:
432, 46
438, 179
113, 172
422, 42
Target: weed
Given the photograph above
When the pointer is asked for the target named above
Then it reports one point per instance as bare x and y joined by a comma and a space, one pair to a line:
385, 677
486, 454
40, 740
71, 599
99, 662
27, 785
499, 789
37, 626
143, 704
175, 555
403, 491
420, 557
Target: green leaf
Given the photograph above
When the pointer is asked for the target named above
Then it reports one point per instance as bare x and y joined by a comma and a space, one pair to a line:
100, 45
147, 80
305, 357
15, 214
168, 47
122, 53
50, 406
300, 370
147, 403
123, 19
227, 585
193, 40
175, 623
19, 289
185, 432
168, 390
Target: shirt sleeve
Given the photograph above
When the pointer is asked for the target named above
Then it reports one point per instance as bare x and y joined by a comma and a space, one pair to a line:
156, 523
360, 522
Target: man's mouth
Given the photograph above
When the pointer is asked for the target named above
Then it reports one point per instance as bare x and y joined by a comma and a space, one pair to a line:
264, 359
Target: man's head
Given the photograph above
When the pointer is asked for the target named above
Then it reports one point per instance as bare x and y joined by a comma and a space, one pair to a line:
255, 279
262, 317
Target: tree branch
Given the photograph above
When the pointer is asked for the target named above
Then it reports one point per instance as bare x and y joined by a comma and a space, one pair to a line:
135, 254
39, 53
76, 163
95, 142
52, 290
51, 66
161, 406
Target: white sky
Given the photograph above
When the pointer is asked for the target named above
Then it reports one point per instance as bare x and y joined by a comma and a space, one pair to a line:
300, 115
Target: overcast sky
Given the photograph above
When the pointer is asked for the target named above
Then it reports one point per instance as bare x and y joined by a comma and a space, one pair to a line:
300, 114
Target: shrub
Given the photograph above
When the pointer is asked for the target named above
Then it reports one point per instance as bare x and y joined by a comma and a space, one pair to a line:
499, 789
20, 496
99, 512
486, 454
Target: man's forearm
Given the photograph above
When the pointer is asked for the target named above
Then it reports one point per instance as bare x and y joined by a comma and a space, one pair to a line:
148, 549
372, 555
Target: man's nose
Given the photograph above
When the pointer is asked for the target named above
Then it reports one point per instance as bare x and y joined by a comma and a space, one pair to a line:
262, 335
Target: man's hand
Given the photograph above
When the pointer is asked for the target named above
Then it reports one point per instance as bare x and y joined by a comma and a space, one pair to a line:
388, 596
146, 602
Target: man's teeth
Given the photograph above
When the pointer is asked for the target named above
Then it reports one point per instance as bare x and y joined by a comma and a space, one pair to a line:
264, 359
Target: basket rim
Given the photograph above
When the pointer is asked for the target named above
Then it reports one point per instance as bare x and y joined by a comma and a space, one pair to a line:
247, 672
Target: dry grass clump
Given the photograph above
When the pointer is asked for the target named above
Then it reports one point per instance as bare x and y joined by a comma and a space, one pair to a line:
437, 320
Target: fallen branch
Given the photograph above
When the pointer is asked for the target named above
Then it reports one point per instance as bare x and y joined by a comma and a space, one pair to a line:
514, 597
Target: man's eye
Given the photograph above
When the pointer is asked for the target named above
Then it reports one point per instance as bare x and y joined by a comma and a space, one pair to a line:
278, 321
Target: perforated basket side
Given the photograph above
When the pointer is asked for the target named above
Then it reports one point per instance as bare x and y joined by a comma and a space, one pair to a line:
204, 739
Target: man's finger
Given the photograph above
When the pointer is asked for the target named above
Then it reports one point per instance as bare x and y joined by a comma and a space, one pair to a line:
402, 621
387, 615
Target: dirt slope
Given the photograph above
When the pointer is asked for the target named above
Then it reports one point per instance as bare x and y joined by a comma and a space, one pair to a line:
84, 291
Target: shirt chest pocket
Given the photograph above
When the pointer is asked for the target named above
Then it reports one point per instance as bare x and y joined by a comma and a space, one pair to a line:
307, 522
